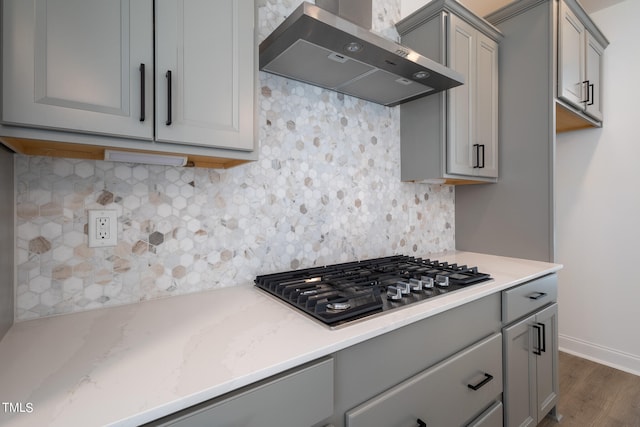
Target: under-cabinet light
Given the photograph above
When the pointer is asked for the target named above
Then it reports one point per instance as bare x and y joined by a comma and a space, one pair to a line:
148, 158
432, 181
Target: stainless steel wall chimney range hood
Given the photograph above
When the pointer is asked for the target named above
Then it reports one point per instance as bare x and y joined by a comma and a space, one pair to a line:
318, 47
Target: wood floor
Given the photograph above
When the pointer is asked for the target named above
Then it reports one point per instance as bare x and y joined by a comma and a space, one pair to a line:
595, 395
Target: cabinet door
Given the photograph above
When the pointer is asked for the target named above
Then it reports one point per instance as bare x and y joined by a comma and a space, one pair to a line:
546, 361
302, 397
486, 107
205, 72
531, 368
520, 375
461, 152
492, 417
571, 52
594, 62
75, 65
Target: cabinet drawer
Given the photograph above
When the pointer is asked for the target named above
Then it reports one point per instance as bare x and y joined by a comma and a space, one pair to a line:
524, 299
300, 398
429, 395
492, 417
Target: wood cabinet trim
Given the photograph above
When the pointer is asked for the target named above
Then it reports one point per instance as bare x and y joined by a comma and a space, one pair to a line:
35, 147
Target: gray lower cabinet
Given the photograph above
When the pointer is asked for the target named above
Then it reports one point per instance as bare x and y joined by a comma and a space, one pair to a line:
530, 353
442, 355
487, 363
299, 398
472, 379
529, 297
366, 371
492, 417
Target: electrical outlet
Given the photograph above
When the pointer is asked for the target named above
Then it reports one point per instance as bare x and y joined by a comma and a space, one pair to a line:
102, 228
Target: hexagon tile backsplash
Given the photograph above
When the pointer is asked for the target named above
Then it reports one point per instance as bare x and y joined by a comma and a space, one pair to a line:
326, 189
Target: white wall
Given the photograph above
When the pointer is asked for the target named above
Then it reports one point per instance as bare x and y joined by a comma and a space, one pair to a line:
598, 210
480, 7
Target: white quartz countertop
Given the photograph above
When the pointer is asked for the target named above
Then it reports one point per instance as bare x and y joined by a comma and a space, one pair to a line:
132, 364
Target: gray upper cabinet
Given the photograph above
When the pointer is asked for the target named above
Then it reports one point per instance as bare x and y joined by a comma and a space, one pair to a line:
571, 65
516, 216
473, 108
209, 92
580, 60
452, 137
180, 78
594, 65
74, 65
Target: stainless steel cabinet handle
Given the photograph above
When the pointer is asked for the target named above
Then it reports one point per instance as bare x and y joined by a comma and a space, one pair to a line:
168, 76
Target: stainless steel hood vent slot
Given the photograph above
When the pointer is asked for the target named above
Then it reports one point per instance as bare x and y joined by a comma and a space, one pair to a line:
313, 64
314, 46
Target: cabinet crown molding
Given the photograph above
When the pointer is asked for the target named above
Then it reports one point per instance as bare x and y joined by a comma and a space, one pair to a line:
521, 6
435, 7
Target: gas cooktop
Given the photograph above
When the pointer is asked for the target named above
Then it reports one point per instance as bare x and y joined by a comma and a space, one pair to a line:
341, 293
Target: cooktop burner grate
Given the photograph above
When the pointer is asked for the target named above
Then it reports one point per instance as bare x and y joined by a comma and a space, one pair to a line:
340, 293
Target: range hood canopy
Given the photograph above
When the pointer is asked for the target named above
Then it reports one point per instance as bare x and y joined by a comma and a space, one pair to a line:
317, 47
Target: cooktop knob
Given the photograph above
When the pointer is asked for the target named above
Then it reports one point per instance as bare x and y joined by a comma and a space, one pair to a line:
442, 281
415, 284
404, 287
394, 293
427, 282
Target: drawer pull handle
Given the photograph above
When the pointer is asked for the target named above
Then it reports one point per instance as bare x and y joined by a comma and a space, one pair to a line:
487, 378
421, 423
542, 341
477, 147
142, 95
168, 76
537, 295
538, 351
586, 85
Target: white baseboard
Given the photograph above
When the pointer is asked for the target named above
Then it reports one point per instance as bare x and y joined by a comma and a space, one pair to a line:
606, 356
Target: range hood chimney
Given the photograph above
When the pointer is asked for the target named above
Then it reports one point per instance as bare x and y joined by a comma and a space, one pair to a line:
331, 47
357, 11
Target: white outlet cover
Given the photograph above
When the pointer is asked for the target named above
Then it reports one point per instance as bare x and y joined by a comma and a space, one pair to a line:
111, 231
